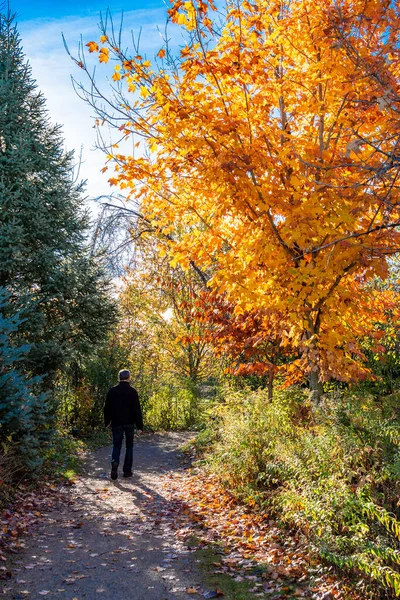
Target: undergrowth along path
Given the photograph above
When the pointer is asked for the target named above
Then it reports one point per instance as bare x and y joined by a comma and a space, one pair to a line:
261, 558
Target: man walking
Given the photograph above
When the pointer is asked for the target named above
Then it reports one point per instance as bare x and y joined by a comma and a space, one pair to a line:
122, 411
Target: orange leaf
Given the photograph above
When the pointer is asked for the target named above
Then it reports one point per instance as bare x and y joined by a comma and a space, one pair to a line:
93, 46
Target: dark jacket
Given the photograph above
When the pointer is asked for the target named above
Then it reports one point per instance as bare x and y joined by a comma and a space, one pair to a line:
122, 406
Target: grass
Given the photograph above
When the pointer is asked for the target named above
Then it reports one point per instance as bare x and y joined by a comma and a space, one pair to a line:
97, 439
207, 558
64, 459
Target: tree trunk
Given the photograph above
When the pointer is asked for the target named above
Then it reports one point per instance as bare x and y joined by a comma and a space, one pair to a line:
315, 385
312, 350
270, 384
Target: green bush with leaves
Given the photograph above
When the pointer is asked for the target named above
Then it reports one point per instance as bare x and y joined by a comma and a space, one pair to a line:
331, 472
172, 406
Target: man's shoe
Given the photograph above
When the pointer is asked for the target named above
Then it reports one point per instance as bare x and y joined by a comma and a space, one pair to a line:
114, 470
128, 474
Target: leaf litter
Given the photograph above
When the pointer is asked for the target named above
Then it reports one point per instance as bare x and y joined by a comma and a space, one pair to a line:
251, 545
190, 511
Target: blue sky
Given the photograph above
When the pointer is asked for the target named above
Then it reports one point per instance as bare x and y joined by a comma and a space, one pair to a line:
55, 9
41, 24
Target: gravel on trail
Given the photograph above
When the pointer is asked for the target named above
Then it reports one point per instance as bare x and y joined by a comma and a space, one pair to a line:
112, 540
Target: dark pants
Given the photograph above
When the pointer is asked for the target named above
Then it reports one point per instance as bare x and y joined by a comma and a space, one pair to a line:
118, 435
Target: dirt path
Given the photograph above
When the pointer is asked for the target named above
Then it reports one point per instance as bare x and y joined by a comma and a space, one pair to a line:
111, 540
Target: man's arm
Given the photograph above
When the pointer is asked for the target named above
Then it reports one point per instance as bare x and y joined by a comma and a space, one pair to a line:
107, 410
137, 412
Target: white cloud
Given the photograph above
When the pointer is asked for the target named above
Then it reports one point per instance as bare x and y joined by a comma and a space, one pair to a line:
52, 69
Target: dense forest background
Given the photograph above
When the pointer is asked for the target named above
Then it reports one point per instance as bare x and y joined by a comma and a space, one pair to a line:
274, 336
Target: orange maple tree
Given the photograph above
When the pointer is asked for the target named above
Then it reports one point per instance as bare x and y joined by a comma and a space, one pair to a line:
272, 148
253, 343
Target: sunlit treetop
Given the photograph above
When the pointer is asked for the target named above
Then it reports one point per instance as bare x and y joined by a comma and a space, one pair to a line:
273, 158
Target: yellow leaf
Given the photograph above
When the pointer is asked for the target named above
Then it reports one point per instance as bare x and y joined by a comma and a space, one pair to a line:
144, 92
182, 19
104, 55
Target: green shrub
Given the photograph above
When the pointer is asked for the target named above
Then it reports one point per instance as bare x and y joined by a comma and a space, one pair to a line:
65, 453
172, 407
333, 472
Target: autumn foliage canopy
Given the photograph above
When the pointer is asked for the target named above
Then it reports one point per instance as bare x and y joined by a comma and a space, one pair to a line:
272, 162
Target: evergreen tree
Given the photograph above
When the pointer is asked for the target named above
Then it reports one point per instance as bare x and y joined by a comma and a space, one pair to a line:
43, 259
23, 413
